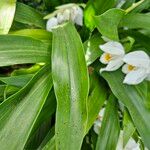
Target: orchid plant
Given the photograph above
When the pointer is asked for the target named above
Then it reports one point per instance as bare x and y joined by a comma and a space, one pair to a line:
75, 75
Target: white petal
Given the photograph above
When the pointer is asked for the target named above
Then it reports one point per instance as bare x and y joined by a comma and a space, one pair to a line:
113, 47
125, 69
79, 17
97, 126
66, 14
103, 60
60, 17
101, 113
137, 58
132, 145
113, 65
73, 13
135, 76
52, 22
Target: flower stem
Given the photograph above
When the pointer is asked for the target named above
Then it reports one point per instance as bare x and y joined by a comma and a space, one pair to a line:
134, 5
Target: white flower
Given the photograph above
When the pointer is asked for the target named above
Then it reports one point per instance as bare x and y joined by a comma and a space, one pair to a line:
77, 15
51, 23
131, 145
98, 122
112, 56
137, 67
64, 13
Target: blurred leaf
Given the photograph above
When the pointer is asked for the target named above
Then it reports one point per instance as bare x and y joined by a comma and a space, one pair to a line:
97, 96
43, 123
28, 15
131, 98
96, 7
20, 111
108, 22
109, 131
71, 85
18, 81
92, 51
49, 141
18, 50
7, 11
128, 127
144, 5
136, 20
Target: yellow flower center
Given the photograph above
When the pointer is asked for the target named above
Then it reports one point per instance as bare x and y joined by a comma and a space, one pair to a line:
130, 67
108, 57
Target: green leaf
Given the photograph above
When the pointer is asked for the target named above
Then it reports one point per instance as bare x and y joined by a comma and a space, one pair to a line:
19, 50
128, 127
71, 86
109, 131
28, 15
136, 20
43, 123
20, 111
130, 97
7, 11
39, 34
92, 50
96, 7
18, 81
108, 22
97, 96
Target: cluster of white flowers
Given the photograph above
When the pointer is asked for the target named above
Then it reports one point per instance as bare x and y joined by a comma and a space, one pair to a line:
64, 13
137, 63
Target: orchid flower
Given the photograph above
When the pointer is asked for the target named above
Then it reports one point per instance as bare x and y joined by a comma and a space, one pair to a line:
98, 122
64, 13
137, 67
112, 56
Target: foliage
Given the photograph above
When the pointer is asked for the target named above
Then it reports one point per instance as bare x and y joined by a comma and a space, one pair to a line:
51, 90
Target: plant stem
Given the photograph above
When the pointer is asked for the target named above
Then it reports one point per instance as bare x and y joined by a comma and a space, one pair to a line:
134, 5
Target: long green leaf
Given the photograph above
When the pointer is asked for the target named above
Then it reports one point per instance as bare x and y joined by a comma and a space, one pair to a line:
7, 11
19, 50
20, 111
39, 34
136, 20
28, 15
70, 80
109, 132
108, 22
131, 98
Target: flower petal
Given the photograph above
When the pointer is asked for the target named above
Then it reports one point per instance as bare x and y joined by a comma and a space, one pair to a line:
102, 59
137, 58
79, 17
60, 17
97, 126
66, 14
113, 65
135, 77
125, 69
51, 23
132, 145
113, 47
